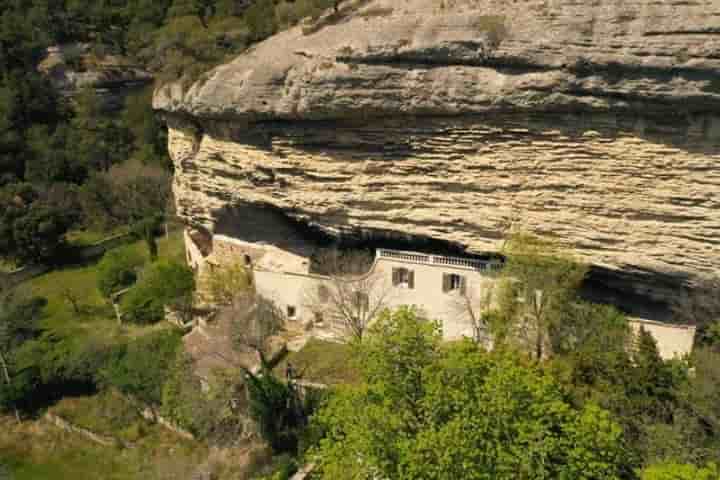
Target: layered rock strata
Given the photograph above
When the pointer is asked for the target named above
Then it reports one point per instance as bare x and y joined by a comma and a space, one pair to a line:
590, 122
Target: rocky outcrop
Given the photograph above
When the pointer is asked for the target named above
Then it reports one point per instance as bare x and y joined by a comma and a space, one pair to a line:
591, 122
71, 67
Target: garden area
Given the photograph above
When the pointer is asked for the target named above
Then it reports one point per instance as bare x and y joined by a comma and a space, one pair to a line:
94, 316
76, 362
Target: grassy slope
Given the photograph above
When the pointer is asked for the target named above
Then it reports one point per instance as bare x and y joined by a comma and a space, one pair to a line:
322, 362
97, 319
90, 237
37, 451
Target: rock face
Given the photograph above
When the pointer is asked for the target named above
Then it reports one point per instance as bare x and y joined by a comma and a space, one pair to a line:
591, 122
70, 67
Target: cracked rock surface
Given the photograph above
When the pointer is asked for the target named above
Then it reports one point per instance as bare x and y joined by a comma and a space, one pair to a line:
593, 122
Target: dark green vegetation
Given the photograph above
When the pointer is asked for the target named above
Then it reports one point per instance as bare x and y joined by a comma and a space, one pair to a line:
63, 162
425, 409
73, 172
117, 270
163, 283
60, 335
567, 393
280, 408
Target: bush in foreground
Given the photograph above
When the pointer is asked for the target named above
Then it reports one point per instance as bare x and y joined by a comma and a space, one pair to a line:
447, 412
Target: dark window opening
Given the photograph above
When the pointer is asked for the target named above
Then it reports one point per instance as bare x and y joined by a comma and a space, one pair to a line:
248, 260
452, 282
291, 311
403, 277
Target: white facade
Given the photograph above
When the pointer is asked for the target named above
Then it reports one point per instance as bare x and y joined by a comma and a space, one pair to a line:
439, 286
673, 341
295, 292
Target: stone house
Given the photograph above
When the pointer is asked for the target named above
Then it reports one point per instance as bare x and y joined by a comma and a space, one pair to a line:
435, 284
444, 287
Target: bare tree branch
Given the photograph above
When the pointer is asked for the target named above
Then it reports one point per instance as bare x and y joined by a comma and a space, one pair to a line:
474, 307
352, 296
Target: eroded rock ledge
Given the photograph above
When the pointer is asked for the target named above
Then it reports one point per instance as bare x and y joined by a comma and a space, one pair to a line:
591, 122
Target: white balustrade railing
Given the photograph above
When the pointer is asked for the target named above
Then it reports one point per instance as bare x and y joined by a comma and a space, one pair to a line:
454, 262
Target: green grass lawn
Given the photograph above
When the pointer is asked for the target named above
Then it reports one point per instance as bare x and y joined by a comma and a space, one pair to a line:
322, 362
96, 317
108, 413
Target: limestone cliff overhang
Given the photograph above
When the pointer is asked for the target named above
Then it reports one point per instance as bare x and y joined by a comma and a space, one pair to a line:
595, 122
382, 58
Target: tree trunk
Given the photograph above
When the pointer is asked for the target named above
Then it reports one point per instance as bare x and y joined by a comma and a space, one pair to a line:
7, 381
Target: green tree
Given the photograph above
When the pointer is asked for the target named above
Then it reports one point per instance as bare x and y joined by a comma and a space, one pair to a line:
260, 18
33, 223
19, 323
150, 139
279, 410
433, 411
117, 270
146, 230
142, 367
540, 280
161, 284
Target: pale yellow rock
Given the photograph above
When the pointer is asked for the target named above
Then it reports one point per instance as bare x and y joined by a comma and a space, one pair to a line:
591, 122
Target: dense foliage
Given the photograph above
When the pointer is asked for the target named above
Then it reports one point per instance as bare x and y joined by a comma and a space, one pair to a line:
117, 270
161, 284
141, 367
76, 144
431, 411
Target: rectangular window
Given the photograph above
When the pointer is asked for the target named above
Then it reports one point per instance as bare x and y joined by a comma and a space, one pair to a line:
403, 277
291, 311
452, 282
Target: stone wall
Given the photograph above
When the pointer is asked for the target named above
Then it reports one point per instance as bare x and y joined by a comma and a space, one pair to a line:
69, 427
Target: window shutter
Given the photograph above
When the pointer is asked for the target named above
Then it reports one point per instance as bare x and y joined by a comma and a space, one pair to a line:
463, 285
411, 278
446, 282
395, 276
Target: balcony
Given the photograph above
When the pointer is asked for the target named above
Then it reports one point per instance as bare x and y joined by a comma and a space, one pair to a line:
439, 260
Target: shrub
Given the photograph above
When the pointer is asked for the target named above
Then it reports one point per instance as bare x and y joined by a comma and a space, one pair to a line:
278, 408
142, 367
163, 283
117, 270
